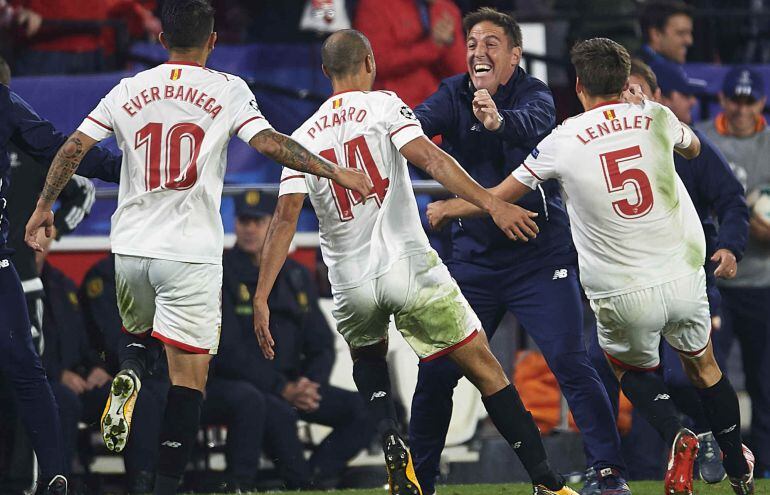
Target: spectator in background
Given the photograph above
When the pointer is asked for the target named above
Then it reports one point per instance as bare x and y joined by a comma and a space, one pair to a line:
295, 385
74, 366
99, 305
59, 48
418, 42
741, 133
666, 30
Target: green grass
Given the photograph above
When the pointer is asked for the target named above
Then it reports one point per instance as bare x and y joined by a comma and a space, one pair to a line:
637, 487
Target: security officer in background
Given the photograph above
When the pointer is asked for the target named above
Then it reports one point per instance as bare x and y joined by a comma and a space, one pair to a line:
98, 301
296, 384
74, 366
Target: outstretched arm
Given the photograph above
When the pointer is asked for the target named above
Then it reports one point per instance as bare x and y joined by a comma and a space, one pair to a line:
281, 231
286, 151
513, 220
692, 150
509, 190
63, 166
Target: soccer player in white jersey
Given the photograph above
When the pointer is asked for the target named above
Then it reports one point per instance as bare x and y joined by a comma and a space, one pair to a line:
380, 262
173, 124
640, 250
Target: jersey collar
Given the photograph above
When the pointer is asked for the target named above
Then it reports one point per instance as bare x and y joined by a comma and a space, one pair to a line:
175, 62
605, 103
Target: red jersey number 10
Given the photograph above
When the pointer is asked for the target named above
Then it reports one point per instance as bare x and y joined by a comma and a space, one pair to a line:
357, 155
173, 176
618, 180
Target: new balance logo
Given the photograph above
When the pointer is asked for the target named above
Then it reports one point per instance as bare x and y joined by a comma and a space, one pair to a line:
5, 263
661, 397
516, 445
378, 395
173, 445
560, 274
134, 344
728, 430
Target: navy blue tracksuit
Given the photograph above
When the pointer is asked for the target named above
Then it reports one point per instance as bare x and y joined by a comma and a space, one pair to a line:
714, 190
20, 125
536, 281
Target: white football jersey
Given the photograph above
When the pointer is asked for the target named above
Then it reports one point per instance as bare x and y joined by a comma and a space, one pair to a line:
633, 222
363, 130
173, 124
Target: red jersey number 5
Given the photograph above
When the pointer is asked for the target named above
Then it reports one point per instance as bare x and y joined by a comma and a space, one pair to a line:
618, 180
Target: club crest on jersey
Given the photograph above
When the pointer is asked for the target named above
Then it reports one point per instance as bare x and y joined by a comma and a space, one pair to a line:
609, 114
337, 103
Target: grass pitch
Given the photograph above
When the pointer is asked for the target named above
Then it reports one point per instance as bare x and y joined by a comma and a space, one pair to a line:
637, 487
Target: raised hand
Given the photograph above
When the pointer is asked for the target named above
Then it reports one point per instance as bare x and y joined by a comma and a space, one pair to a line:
485, 110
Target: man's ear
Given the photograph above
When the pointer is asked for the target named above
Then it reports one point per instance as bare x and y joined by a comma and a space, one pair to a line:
578, 86
162, 40
212, 40
516, 56
369, 63
323, 69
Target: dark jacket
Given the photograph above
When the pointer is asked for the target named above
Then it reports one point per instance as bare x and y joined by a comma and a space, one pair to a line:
528, 111
20, 125
304, 343
716, 193
67, 346
99, 305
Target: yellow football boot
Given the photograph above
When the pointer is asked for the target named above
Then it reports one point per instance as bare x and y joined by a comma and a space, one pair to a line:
402, 479
116, 418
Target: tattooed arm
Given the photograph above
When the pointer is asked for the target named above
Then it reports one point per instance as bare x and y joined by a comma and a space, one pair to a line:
63, 166
288, 152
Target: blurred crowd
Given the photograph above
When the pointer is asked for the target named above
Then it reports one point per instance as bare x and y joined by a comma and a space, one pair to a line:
41, 37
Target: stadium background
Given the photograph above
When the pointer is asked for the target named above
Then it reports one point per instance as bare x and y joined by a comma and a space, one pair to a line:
281, 63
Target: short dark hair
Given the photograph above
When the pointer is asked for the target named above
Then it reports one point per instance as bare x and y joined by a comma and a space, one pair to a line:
187, 23
640, 69
506, 21
343, 52
602, 66
655, 14
5, 72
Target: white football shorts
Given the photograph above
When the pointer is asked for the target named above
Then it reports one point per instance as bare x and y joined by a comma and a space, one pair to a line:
180, 302
630, 325
429, 309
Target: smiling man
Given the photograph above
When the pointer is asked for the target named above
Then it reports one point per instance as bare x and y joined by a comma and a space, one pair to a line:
490, 119
667, 31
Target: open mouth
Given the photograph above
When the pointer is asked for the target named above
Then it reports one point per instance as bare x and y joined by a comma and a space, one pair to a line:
481, 69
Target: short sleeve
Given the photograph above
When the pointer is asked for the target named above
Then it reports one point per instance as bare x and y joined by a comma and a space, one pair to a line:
401, 123
99, 123
540, 165
292, 182
680, 135
248, 120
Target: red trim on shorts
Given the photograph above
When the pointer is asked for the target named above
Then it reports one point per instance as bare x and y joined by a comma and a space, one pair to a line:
249, 120
293, 177
141, 335
628, 367
693, 353
99, 123
531, 172
401, 129
179, 345
451, 348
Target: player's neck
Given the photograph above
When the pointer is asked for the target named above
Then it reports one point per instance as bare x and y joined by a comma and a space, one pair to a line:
353, 83
591, 102
189, 56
